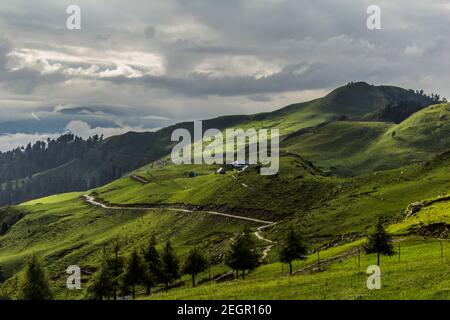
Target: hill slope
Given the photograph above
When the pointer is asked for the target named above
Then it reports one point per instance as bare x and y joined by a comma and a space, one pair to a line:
351, 147
118, 155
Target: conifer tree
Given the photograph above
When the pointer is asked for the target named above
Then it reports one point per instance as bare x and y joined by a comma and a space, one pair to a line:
171, 265
35, 284
380, 242
116, 264
194, 264
293, 248
133, 273
242, 255
152, 265
102, 282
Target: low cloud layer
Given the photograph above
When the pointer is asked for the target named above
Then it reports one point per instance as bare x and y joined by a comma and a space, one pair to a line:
84, 130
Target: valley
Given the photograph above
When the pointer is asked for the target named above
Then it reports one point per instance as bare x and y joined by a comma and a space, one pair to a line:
340, 171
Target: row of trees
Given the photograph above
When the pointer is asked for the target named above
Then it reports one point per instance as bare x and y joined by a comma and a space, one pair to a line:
18, 167
433, 96
53, 183
43, 155
68, 163
148, 267
31, 284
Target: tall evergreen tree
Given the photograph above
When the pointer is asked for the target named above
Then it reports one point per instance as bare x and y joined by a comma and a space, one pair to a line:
102, 282
35, 284
380, 242
116, 264
133, 273
242, 255
153, 267
293, 248
171, 265
194, 264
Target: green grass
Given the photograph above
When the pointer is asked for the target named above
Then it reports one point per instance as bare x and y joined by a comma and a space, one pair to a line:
325, 208
63, 230
435, 214
352, 147
53, 199
420, 274
333, 212
70, 232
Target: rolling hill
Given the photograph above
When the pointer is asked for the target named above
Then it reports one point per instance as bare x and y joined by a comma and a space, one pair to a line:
349, 147
118, 155
339, 173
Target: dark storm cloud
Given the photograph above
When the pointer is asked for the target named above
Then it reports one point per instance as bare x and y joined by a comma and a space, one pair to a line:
194, 59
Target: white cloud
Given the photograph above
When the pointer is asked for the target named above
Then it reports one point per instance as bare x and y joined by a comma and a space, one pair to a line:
84, 130
12, 141
194, 59
238, 66
84, 62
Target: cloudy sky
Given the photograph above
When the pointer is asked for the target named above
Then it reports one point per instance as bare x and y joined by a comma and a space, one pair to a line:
141, 65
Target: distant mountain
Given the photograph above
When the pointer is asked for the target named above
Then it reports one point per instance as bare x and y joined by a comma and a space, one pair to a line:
115, 156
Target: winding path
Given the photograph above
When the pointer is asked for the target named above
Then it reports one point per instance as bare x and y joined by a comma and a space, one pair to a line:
259, 236
91, 200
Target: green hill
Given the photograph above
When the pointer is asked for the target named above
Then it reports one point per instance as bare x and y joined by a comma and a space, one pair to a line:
379, 174
349, 147
117, 155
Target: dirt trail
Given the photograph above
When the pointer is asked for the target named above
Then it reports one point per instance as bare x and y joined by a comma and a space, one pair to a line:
139, 179
91, 200
259, 236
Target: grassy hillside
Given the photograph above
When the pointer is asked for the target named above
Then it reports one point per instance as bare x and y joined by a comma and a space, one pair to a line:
420, 271
420, 274
351, 147
331, 212
118, 155
325, 207
71, 232
360, 171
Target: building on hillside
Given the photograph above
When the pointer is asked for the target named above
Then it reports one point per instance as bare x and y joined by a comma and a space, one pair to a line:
221, 171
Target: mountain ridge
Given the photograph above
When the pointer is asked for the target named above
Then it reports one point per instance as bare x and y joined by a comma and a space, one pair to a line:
120, 154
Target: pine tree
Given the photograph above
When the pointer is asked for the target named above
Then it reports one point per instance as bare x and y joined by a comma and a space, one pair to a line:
380, 242
116, 263
35, 284
133, 273
152, 265
171, 265
242, 255
293, 249
101, 284
194, 264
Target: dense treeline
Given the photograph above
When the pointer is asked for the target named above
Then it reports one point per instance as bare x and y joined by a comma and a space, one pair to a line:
395, 112
436, 98
66, 164
43, 155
